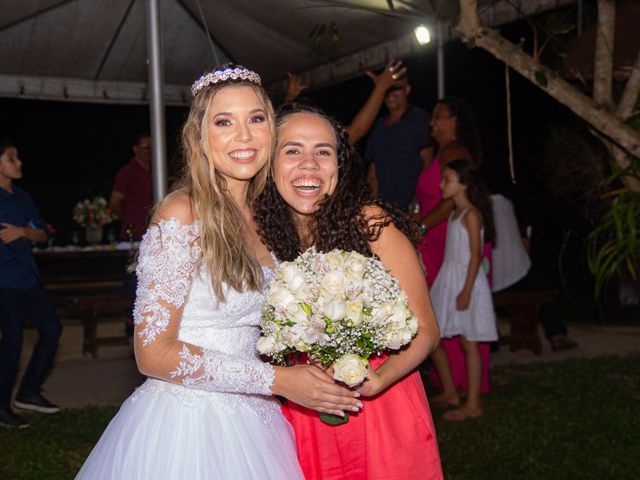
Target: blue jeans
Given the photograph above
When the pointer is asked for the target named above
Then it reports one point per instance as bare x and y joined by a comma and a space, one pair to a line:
16, 305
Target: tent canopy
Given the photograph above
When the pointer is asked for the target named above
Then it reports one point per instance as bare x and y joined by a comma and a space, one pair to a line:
95, 50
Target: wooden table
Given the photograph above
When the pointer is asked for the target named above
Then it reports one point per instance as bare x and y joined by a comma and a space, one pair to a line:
88, 283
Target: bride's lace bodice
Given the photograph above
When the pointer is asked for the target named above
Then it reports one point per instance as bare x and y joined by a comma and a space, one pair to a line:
184, 335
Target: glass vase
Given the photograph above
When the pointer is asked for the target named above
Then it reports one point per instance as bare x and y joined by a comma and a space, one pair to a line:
93, 234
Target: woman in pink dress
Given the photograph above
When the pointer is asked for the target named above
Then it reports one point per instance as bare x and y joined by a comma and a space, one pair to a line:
454, 129
317, 196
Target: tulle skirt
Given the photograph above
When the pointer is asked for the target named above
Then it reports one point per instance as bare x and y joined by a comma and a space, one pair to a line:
166, 431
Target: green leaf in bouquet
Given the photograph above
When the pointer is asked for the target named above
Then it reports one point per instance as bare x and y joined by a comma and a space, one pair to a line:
306, 308
334, 419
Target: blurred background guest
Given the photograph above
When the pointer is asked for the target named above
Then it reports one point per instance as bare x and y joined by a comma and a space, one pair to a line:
454, 129
513, 272
132, 194
397, 147
22, 296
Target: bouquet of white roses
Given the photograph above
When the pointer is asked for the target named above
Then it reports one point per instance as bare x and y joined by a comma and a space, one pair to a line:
340, 308
93, 212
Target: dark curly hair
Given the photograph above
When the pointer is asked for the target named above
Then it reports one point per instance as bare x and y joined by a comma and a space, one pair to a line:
342, 220
467, 133
477, 192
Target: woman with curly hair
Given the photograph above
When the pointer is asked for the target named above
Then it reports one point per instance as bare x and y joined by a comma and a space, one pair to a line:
317, 195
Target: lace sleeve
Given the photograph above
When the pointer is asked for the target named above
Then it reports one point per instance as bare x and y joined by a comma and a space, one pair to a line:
169, 257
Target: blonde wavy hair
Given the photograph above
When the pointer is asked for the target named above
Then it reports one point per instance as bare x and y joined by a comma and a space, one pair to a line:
224, 247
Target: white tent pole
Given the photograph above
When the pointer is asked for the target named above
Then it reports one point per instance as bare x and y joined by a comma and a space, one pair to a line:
156, 100
440, 61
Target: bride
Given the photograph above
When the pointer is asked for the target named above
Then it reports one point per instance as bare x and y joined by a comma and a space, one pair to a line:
208, 409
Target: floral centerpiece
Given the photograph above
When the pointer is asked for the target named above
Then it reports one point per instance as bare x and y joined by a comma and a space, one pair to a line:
338, 307
93, 211
93, 214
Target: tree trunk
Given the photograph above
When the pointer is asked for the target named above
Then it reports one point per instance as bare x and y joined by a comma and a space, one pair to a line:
472, 32
631, 91
603, 62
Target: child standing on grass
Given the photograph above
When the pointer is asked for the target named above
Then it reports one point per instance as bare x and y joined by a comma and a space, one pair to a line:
461, 295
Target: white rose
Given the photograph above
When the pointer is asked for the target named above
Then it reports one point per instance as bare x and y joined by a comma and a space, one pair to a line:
279, 297
333, 283
354, 311
266, 345
293, 278
350, 369
398, 317
395, 340
334, 259
354, 267
335, 310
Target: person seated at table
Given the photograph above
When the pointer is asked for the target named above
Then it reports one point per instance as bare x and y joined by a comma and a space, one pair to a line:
513, 272
22, 296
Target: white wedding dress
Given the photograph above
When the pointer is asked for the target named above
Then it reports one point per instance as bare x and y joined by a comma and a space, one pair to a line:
209, 412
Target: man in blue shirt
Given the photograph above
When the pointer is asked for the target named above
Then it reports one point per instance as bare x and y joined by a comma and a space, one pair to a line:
22, 296
397, 147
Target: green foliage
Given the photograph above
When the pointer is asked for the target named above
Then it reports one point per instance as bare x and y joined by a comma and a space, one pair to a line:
614, 243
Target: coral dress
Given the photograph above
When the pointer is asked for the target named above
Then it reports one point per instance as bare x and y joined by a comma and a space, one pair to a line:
431, 249
391, 438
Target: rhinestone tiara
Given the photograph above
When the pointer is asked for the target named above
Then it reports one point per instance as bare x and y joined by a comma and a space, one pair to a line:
230, 73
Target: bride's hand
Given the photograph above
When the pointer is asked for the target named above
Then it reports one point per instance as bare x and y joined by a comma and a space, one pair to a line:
309, 386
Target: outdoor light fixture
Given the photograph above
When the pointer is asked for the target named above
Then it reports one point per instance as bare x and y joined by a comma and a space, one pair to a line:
422, 34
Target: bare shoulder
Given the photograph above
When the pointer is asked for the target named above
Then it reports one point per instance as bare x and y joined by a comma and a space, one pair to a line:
472, 218
176, 205
389, 237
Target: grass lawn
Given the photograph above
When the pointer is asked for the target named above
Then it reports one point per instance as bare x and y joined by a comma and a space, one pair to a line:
576, 419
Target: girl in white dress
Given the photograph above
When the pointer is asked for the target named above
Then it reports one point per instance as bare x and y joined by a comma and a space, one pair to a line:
207, 410
461, 295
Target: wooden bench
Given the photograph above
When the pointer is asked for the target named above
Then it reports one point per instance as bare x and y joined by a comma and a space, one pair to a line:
94, 307
523, 309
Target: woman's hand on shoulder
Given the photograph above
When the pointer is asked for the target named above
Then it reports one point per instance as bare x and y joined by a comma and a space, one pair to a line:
311, 387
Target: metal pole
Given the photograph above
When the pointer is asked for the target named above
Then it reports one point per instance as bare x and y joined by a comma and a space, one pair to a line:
440, 61
579, 22
156, 100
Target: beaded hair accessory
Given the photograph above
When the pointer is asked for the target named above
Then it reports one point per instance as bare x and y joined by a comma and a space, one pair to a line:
229, 73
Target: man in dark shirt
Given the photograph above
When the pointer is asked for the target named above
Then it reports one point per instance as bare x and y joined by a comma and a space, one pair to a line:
397, 147
22, 296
